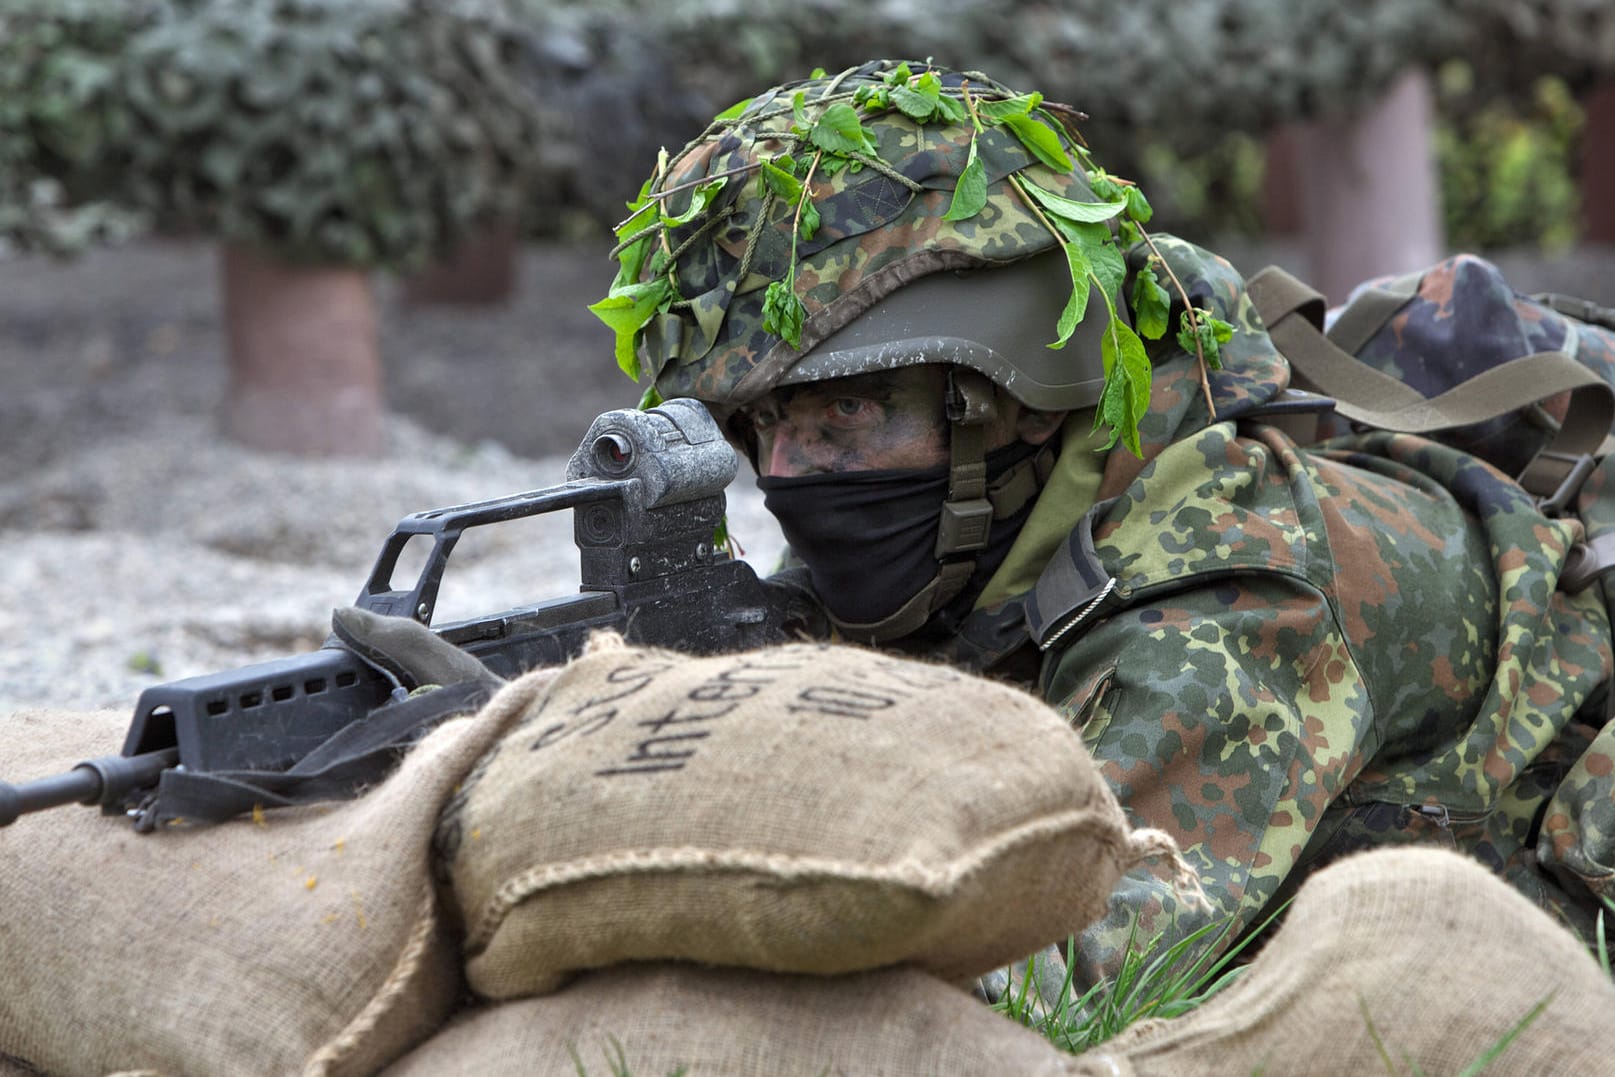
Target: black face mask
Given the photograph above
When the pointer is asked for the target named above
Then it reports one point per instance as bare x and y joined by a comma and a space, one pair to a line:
868, 538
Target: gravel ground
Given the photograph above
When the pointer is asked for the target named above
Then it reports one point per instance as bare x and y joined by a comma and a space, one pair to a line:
139, 547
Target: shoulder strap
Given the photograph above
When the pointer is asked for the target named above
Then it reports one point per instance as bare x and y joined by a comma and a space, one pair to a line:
356, 757
1369, 309
1293, 313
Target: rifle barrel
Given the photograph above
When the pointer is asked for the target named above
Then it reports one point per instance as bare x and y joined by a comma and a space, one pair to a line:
95, 781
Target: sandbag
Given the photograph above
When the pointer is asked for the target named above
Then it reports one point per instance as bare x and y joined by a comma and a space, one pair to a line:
808, 808
1422, 948
306, 940
655, 1018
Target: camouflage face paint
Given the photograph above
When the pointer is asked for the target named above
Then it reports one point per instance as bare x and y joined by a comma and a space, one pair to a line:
867, 422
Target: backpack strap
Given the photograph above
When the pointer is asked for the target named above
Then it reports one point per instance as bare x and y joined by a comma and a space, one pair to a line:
1369, 309
1293, 313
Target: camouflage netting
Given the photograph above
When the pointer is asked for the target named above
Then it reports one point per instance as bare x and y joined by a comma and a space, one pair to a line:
365, 132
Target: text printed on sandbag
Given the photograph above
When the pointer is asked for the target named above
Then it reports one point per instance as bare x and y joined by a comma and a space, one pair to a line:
761, 684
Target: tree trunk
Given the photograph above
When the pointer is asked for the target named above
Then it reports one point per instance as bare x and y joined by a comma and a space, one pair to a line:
481, 271
1597, 165
1370, 191
304, 357
1282, 211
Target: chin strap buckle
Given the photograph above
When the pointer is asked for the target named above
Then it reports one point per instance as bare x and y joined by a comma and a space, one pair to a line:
968, 396
964, 527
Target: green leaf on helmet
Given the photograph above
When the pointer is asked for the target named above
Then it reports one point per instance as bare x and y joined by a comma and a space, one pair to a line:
951, 109
999, 111
898, 75
630, 260
1076, 307
871, 98
733, 110
699, 201
639, 203
1205, 335
1151, 304
840, 131
1105, 261
650, 397
808, 223
783, 313
625, 311
781, 181
1040, 138
1138, 207
915, 103
970, 192
1126, 395
1072, 210
1103, 187
637, 223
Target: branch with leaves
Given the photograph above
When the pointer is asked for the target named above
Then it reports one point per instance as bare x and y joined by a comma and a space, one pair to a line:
1092, 235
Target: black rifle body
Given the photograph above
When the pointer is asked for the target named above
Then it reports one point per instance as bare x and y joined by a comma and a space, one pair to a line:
646, 489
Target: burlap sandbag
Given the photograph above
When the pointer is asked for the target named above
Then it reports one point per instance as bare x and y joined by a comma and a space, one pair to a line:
305, 940
810, 808
652, 1019
1423, 948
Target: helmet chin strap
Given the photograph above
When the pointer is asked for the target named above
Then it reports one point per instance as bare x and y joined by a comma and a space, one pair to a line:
970, 508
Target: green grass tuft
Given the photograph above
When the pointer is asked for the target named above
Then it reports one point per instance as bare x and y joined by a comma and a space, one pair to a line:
1151, 983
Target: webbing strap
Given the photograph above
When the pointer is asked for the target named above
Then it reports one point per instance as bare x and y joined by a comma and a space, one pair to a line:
911, 615
1369, 310
969, 511
967, 514
356, 757
1293, 314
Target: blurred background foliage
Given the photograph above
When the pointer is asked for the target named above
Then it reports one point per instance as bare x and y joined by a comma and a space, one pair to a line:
382, 132
354, 132
1507, 166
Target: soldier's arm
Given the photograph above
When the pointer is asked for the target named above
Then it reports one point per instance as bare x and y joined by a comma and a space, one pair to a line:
1229, 714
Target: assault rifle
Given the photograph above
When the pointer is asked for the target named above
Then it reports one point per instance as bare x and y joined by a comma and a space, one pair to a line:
647, 493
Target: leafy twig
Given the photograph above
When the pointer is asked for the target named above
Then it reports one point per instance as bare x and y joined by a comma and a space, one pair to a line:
807, 183
1189, 312
655, 196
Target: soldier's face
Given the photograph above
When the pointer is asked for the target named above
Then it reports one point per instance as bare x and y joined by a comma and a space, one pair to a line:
884, 419
868, 422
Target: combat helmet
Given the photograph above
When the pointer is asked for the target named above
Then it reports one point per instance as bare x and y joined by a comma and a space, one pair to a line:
819, 230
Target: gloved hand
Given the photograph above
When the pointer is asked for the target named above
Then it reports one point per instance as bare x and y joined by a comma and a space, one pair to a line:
409, 651
1040, 981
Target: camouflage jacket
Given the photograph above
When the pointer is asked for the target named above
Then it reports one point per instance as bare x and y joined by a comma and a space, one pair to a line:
1282, 654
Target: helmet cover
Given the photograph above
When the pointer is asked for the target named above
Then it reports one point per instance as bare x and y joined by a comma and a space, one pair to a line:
799, 210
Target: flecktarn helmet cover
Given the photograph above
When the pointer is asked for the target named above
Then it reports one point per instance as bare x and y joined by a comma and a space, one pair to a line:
799, 209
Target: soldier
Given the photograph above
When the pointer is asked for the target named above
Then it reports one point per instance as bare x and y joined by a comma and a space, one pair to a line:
1278, 654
